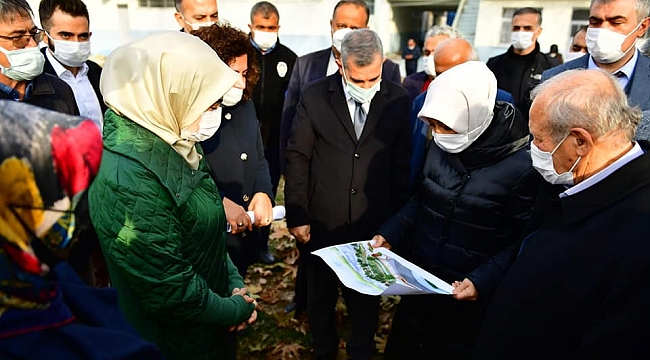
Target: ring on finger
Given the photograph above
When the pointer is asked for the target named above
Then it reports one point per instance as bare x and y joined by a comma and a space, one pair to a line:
240, 224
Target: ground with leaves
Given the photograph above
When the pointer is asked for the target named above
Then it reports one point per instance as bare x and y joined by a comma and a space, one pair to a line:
275, 334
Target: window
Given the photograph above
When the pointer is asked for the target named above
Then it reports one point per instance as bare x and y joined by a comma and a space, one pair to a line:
506, 24
579, 20
371, 6
156, 3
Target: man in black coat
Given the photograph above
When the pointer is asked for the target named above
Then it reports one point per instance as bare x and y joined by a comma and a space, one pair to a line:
348, 14
347, 171
519, 69
66, 23
577, 288
276, 63
22, 78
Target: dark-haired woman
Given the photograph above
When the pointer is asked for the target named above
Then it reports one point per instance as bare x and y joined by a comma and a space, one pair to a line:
236, 153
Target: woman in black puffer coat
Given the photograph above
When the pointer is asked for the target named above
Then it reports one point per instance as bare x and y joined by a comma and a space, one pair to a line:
472, 201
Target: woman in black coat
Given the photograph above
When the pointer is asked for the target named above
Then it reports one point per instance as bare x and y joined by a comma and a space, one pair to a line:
236, 153
473, 199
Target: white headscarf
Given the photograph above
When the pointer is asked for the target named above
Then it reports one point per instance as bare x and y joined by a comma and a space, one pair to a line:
462, 98
164, 82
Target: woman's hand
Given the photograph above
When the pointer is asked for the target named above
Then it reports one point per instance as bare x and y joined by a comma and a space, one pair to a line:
236, 216
263, 209
243, 293
380, 241
465, 290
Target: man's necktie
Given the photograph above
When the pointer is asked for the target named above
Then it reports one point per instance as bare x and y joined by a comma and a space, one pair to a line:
359, 119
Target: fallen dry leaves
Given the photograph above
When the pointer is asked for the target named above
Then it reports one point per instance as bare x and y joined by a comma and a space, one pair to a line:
277, 335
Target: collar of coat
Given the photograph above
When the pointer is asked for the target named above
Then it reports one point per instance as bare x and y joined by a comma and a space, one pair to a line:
130, 140
620, 184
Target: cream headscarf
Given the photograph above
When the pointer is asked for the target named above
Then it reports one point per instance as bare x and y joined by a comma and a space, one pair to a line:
164, 82
462, 98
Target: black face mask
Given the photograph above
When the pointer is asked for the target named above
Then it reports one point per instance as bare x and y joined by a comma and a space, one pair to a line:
58, 236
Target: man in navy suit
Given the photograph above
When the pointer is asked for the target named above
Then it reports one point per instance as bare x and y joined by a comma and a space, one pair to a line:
346, 173
348, 14
618, 22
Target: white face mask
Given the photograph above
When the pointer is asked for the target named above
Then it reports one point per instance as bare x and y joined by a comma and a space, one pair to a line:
208, 126
71, 53
337, 37
605, 45
24, 64
196, 26
571, 55
455, 143
232, 97
429, 66
360, 94
411, 47
265, 39
543, 163
521, 40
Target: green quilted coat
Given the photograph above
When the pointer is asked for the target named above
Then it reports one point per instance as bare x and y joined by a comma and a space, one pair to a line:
161, 226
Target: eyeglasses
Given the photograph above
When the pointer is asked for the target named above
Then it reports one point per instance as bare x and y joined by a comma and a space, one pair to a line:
20, 41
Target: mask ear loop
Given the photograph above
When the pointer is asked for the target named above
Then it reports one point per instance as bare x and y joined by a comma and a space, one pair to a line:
41, 251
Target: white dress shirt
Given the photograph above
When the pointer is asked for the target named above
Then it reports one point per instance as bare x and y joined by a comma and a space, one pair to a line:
84, 94
331, 65
634, 153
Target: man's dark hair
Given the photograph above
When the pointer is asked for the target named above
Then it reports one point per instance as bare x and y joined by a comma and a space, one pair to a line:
74, 8
9, 9
178, 4
360, 3
230, 43
529, 10
264, 8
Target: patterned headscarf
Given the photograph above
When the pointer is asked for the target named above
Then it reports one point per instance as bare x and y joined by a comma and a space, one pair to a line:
47, 161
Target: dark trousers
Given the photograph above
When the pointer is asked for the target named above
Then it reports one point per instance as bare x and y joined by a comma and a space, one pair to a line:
363, 311
243, 249
428, 325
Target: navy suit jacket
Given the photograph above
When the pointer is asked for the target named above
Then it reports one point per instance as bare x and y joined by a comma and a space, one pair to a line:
307, 69
414, 83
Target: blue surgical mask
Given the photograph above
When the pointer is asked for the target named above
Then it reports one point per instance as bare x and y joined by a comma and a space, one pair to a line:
543, 163
360, 94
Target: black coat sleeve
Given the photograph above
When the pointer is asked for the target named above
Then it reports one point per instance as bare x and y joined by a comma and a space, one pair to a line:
298, 156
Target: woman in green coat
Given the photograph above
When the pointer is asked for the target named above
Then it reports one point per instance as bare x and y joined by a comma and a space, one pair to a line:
157, 211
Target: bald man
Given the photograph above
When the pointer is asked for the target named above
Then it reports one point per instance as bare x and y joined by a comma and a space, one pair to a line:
447, 54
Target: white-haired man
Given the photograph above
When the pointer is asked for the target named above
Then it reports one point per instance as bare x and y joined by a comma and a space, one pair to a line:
577, 288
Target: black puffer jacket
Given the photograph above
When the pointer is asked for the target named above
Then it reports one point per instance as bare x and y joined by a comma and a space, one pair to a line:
470, 208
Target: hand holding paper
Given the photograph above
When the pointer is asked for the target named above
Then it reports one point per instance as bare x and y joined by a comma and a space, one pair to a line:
278, 213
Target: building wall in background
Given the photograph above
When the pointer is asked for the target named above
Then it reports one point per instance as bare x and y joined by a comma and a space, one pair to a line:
556, 24
304, 23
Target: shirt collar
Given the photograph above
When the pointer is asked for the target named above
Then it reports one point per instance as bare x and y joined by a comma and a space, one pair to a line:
60, 70
15, 95
627, 69
260, 50
634, 153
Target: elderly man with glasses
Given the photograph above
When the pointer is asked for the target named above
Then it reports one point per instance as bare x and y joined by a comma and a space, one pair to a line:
21, 63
